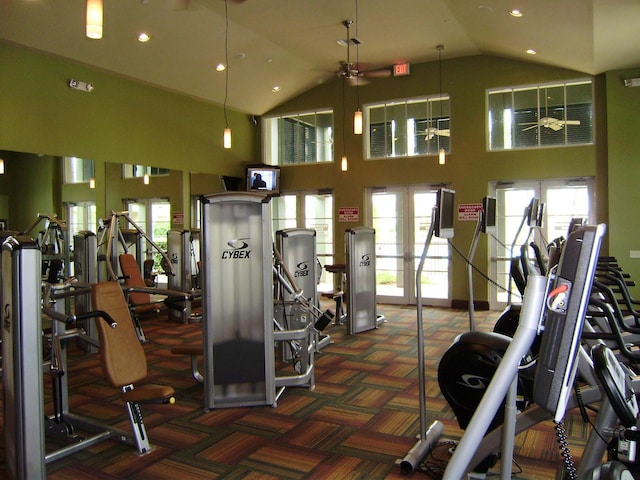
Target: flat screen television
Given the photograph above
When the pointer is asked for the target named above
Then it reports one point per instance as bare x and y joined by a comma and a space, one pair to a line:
566, 308
445, 206
488, 224
263, 178
532, 212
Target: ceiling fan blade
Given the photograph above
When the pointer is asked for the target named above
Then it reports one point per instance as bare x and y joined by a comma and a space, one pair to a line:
382, 73
572, 122
443, 133
530, 128
356, 80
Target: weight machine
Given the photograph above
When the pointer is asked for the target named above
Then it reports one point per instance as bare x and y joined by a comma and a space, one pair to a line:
360, 265
296, 302
112, 242
25, 422
238, 306
183, 251
53, 242
112, 246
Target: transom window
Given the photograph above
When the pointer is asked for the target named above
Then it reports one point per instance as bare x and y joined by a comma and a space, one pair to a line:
78, 170
136, 171
408, 128
540, 115
299, 138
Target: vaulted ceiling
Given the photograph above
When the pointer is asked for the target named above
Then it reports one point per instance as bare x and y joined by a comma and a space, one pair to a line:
293, 44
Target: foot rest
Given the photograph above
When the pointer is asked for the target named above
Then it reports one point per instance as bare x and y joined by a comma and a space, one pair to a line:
151, 393
189, 349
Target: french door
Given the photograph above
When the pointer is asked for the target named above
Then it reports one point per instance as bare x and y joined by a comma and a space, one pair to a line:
401, 217
562, 200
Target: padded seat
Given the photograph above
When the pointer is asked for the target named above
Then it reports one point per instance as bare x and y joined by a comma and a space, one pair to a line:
123, 359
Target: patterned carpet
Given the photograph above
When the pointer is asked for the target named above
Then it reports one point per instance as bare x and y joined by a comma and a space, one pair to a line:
361, 417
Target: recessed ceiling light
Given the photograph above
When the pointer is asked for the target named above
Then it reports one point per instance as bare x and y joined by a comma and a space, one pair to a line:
220, 67
515, 13
275, 89
531, 51
144, 37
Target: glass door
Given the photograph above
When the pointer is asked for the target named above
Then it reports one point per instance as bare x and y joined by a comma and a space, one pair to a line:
562, 200
153, 216
401, 217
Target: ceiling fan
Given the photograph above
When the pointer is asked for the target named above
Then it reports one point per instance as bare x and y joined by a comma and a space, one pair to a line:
431, 132
554, 124
351, 71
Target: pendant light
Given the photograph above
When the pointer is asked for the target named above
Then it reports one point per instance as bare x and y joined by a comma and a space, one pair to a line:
226, 136
94, 19
441, 152
344, 163
92, 180
357, 116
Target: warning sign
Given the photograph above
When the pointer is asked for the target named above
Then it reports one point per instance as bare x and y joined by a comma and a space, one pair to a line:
469, 211
348, 214
178, 218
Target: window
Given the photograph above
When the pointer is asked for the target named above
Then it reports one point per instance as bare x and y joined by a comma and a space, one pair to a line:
137, 171
78, 170
540, 116
81, 216
408, 128
153, 216
299, 138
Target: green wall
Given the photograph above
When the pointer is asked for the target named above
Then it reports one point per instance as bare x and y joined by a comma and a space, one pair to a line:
623, 120
469, 167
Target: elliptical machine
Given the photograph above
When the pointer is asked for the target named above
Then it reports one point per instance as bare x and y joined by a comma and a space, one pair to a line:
468, 365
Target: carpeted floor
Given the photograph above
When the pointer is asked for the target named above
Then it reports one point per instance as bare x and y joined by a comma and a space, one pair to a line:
359, 420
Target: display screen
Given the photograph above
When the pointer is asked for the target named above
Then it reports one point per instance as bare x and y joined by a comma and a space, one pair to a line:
444, 213
532, 212
488, 215
265, 179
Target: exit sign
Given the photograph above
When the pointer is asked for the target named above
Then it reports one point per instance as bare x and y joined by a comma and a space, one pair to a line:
400, 69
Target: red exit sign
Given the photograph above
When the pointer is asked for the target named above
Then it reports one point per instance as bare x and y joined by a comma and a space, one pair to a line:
401, 69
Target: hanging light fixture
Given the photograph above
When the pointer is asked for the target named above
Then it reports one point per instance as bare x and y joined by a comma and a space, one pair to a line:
94, 19
357, 122
1, 166
226, 136
441, 152
92, 180
357, 116
344, 164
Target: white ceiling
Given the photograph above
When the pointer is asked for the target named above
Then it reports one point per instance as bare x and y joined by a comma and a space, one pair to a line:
293, 43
